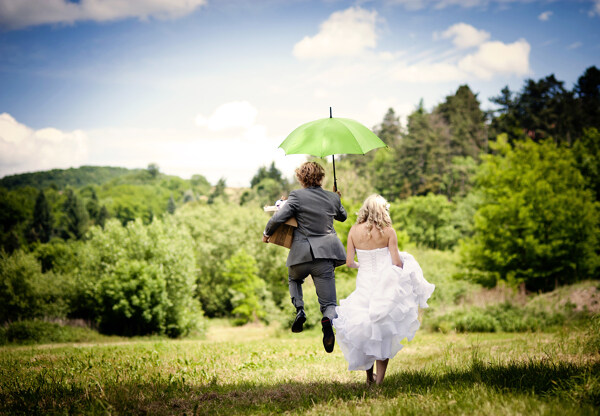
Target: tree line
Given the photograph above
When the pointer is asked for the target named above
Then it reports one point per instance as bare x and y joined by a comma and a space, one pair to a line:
513, 190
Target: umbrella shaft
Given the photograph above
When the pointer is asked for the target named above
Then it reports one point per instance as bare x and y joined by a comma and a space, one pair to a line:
334, 178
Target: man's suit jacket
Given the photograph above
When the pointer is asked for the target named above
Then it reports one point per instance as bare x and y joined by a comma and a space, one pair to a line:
314, 209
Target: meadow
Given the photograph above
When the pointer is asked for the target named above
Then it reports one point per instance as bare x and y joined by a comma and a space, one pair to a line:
258, 369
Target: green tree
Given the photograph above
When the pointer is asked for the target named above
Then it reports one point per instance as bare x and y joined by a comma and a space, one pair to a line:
587, 156
427, 220
218, 191
16, 211
102, 216
536, 223
390, 131
465, 119
587, 91
153, 170
200, 184
42, 222
218, 232
271, 173
26, 292
248, 291
504, 119
171, 206
139, 279
75, 217
93, 206
420, 164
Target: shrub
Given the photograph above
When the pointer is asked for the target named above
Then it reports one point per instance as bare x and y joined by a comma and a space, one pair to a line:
476, 320
26, 292
504, 316
140, 279
41, 332
248, 291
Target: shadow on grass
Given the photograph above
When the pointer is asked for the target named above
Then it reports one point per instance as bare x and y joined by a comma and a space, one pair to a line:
541, 379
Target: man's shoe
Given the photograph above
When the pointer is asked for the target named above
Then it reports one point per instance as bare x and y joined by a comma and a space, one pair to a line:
299, 321
328, 336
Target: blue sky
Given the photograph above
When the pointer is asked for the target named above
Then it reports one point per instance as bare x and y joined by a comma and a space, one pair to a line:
213, 86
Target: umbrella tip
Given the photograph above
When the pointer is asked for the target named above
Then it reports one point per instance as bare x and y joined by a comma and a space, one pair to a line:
330, 116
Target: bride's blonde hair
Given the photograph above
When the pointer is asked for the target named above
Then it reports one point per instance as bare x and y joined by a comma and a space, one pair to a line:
374, 212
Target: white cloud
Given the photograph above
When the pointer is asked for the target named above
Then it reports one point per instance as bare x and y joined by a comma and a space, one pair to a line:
236, 157
498, 58
442, 4
23, 149
229, 115
424, 72
346, 33
595, 9
377, 107
491, 58
23, 13
545, 16
465, 36
575, 45
411, 4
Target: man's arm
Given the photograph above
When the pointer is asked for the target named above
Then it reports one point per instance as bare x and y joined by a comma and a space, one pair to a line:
341, 214
285, 213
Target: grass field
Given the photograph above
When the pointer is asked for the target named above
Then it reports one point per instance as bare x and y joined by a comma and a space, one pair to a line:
265, 370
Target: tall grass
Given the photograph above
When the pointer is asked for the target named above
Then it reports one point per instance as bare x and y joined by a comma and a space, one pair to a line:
260, 370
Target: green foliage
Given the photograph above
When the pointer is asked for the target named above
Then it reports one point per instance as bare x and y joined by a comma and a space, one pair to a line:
200, 184
57, 255
63, 178
218, 232
587, 157
218, 192
506, 317
74, 222
587, 92
140, 279
266, 187
42, 221
16, 211
536, 223
171, 207
42, 332
465, 119
427, 220
248, 291
264, 173
27, 293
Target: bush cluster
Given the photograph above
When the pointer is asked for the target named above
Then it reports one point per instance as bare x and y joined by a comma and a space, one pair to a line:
505, 317
42, 332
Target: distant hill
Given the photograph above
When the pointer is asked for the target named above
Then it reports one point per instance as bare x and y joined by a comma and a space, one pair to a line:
61, 178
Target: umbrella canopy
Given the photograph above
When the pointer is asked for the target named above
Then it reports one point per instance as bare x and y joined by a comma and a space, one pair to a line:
331, 136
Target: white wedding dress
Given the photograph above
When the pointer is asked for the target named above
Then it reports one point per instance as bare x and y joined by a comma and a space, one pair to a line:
383, 310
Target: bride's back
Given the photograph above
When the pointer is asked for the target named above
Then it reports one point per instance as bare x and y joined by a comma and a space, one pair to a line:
362, 241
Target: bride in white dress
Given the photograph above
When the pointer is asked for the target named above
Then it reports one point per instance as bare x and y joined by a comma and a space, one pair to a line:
390, 288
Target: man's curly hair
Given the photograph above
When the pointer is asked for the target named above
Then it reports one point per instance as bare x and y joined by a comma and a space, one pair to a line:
310, 174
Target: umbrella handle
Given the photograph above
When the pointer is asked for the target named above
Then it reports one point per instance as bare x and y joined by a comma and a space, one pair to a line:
334, 178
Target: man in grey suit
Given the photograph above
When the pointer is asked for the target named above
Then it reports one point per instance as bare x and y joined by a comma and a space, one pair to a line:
316, 248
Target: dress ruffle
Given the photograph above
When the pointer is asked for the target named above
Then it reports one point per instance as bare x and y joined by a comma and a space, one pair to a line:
383, 310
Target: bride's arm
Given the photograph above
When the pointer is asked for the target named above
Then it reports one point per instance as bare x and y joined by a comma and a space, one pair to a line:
393, 246
350, 252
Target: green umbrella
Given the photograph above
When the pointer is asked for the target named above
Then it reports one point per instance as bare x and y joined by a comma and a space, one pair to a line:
331, 136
